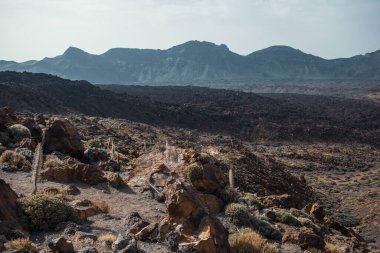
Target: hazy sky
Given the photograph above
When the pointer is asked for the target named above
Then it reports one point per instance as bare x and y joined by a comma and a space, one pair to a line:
33, 29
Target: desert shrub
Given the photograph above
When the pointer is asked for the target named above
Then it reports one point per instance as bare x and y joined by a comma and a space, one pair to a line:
51, 161
238, 214
346, 219
248, 241
101, 206
22, 244
287, 218
332, 248
94, 144
13, 158
309, 223
250, 200
107, 237
43, 211
194, 172
265, 228
19, 132
230, 195
299, 213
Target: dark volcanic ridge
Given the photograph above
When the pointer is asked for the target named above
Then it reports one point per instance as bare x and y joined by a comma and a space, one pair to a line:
246, 116
199, 61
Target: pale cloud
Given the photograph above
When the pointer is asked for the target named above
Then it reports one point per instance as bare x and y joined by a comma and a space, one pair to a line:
32, 29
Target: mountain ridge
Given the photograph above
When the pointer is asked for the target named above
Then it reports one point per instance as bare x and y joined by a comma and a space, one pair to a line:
199, 61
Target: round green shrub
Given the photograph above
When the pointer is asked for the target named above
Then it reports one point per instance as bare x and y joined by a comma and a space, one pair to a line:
43, 212
19, 132
230, 195
238, 214
287, 218
194, 172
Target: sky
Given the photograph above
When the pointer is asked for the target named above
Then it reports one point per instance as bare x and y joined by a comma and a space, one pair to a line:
34, 29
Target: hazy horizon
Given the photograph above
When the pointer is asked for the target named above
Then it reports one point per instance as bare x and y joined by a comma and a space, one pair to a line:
32, 30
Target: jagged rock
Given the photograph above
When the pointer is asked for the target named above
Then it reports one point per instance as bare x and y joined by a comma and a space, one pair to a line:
146, 231
94, 155
120, 243
71, 190
283, 201
68, 227
305, 238
317, 211
88, 249
8, 207
60, 245
62, 136
131, 247
70, 171
114, 179
188, 219
213, 203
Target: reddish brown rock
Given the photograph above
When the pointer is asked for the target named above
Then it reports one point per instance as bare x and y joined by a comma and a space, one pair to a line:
317, 211
144, 233
8, 206
305, 238
191, 221
63, 137
114, 179
7, 118
213, 203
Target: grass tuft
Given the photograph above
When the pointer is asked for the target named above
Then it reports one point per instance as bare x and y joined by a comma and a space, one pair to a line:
248, 241
22, 244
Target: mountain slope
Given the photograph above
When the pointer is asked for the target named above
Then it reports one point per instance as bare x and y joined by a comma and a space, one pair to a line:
199, 61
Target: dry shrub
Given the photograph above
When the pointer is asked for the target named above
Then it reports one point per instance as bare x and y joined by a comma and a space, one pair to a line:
229, 195
238, 214
332, 248
101, 206
248, 241
19, 132
43, 211
107, 237
194, 172
52, 161
13, 158
313, 250
22, 244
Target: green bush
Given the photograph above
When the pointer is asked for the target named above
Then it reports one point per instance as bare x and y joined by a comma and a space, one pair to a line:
287, 218
265, 228
251, 200
229, 195
15, 159
194, 172
238, 214
43, 212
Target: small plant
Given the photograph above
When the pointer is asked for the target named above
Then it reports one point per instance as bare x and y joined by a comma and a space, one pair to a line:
251, 200
287, 218
14, 158
194, 172
52, 161
94, 144
107, 237
101, 206
22, 244
248, 241
238, 214
19, 132
265, 228
43, 211
331, 248
230, 195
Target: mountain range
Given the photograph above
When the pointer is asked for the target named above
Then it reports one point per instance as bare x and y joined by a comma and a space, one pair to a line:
199, 61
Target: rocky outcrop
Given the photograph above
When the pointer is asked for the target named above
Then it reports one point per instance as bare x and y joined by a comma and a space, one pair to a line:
8, 206
305, 238
71, 170
189, 224
63, 137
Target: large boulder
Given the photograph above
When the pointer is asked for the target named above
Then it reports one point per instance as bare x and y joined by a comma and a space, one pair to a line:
63, 137
8, 207
7, 118
189, 222
71, 170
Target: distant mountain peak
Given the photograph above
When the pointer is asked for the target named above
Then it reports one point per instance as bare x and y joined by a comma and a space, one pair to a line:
74, 51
